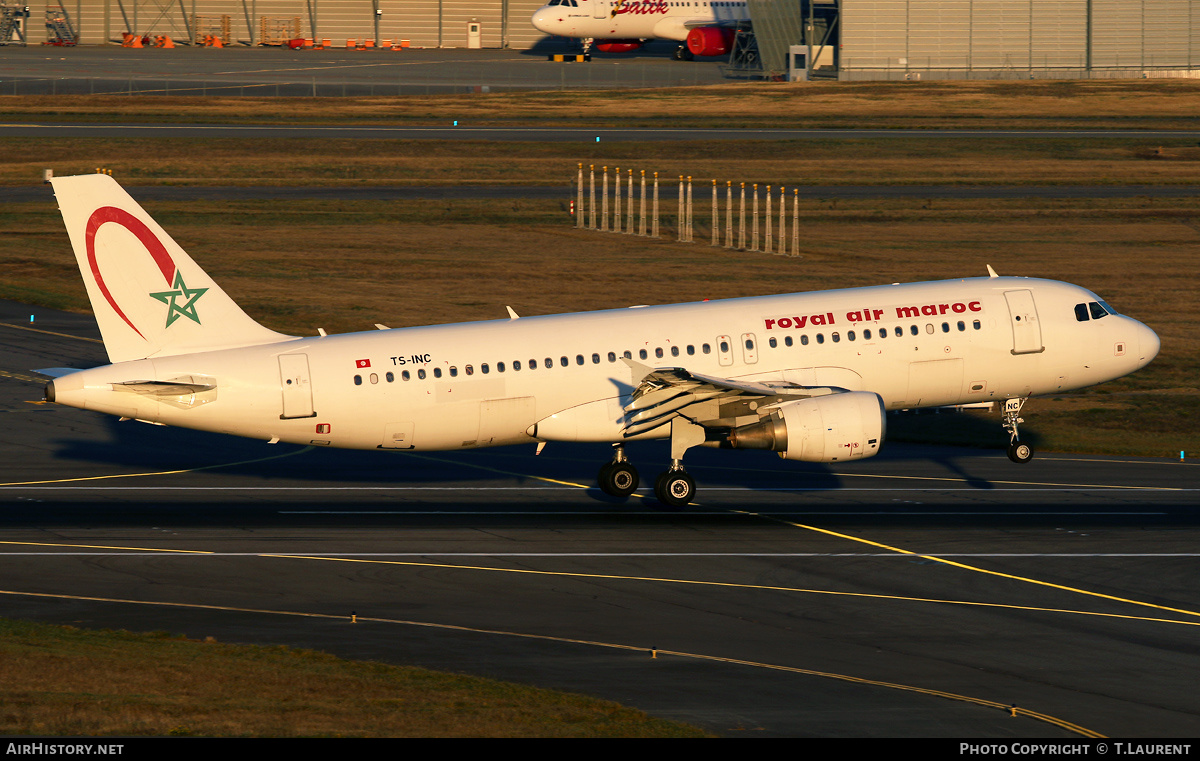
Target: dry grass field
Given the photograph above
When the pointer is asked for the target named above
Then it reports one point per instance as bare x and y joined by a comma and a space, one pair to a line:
303, 162
1043, 104
66, 682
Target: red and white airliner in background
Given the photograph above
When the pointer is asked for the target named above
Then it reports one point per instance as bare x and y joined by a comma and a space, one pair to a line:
706, 27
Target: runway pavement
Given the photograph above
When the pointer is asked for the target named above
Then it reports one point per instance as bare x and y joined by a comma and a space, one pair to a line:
236, 71
920, 593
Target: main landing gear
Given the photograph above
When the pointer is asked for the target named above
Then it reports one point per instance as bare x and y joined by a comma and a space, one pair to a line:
618, 478
674, 487
682, 53
1018, 451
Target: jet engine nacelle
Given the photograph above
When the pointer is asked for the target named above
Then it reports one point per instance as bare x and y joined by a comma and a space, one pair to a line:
830, 428
618, 46
710, 40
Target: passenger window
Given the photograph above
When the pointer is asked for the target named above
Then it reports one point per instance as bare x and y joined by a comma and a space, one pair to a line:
437, 372
724, 346
691, 350
945, 327
595, 359
914, 330
899, 331
820, 338
453, 372
421, 374
483, 368
358, 380
470, 370
866, 334
961, 326
499, 367
612, 356
658, 352
975, 325
804, 340
642, 354
516, 365
773, 343
849, 335
578, 360
389, 376
837, 337
706, 348
405, 376
674, 351
787, 340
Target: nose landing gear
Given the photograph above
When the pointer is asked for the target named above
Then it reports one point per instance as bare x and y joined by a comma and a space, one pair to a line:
1018, 451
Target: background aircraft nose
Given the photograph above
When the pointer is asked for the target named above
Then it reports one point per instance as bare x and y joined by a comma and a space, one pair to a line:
541, 20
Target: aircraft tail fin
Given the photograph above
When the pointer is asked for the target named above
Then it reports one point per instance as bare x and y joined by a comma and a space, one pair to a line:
149, 297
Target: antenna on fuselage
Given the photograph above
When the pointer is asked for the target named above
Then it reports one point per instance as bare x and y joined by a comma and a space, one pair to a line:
991, 272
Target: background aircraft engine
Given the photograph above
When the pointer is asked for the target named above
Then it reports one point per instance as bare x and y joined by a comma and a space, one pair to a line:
710, 40
618, 46
821, 429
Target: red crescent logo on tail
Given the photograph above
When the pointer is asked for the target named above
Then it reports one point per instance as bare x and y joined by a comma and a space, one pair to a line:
153, 245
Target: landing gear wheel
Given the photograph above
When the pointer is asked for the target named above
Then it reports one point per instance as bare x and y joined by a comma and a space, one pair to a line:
619, 479
682, 53
675, 488
1020, 452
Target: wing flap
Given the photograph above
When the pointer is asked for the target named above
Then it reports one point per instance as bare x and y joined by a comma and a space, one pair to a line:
665, 393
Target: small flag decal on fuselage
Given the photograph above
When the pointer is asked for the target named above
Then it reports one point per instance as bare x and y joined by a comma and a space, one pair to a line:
362, 363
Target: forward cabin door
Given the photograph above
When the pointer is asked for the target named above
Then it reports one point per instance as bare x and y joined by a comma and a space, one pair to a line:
1027, 331
296, 385
600, 8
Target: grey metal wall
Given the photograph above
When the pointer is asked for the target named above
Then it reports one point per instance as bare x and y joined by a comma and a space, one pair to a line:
425, 23
884, 39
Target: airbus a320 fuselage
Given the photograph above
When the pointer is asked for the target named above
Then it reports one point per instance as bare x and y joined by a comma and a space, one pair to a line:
808, 375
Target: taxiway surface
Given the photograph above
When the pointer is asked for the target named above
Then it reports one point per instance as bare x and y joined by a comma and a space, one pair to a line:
920, 593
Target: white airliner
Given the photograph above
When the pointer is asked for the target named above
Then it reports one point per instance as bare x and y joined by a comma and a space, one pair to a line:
807, 375
618, 26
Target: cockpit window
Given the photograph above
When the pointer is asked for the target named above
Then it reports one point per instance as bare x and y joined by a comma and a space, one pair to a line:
1093, 310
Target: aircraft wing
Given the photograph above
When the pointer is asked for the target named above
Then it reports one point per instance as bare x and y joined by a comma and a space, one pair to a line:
664, 393
724, 23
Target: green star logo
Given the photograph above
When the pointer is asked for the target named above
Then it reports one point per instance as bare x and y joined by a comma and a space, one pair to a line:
181, 301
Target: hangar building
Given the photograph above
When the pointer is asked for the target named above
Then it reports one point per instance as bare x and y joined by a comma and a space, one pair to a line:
845, 39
